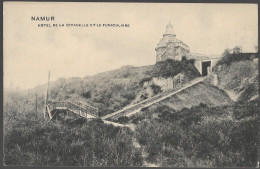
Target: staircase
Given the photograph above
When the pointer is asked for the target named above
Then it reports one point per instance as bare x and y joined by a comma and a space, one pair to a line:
132, 109
82, 110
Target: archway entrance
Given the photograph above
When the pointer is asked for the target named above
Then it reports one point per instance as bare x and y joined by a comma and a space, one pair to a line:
183, 58
206, 68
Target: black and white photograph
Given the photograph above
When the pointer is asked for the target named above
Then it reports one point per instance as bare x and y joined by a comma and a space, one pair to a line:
120, 84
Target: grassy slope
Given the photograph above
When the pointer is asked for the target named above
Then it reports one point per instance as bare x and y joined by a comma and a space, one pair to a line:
112, 90
81, 143
29, 139
218, 133
201, 136
199, 93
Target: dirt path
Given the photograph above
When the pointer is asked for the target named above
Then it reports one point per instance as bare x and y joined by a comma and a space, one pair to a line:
136, 144
130, 126
144, 154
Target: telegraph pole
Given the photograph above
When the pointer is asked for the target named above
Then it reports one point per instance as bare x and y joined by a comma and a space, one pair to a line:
47, 95
36, 102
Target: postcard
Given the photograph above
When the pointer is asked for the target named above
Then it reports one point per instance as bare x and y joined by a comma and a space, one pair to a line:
119, 84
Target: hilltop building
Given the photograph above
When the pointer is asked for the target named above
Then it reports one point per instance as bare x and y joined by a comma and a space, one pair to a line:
169, 47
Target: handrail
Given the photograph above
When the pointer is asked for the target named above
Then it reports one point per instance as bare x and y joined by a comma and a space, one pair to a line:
81, 106
146, 102
72, 107
89, 106
48, 110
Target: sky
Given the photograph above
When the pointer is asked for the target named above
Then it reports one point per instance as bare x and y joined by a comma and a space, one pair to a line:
31, 51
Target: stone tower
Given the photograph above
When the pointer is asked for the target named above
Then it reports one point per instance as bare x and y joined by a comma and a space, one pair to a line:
171, 48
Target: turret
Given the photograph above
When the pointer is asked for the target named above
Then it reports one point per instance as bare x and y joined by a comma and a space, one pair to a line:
169, 30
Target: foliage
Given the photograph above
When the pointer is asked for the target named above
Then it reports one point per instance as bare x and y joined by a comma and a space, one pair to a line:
144, 96
136, 119
156, 89
201, 136
240, 77
123, 119
228, 58
111, 91
31, 140
172, 68
86, 95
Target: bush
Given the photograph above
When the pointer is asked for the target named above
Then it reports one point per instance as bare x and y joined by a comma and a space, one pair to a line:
156, 89
60, 143
144, 96
201, 136
137, 118
123, 119
228, 58
86, 95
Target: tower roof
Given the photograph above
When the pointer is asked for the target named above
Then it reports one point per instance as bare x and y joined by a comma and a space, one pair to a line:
169, 29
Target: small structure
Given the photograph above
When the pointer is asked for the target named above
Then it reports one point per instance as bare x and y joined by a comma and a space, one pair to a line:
203, 63
54, 109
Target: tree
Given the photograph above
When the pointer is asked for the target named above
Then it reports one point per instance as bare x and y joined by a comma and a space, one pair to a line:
237, 50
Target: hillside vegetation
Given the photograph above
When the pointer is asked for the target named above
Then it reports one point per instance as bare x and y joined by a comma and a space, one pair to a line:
198, 127
113, 90
29, 139
201, 126
237, 74
200, 136
199, 93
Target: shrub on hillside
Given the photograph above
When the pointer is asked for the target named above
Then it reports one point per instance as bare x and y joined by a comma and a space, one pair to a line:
59, 143
144, 96
228, 58
137, 118
156, 89
208, 135
123, 119
86, 95
91, 144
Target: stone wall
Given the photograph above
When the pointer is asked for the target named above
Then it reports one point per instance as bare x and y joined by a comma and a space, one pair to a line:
159, 52
171, 52
214, 61
198, 65
168, 83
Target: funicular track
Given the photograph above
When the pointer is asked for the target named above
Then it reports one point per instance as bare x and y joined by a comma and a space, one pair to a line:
148, 102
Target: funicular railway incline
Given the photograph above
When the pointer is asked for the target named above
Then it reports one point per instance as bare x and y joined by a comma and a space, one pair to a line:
148, 102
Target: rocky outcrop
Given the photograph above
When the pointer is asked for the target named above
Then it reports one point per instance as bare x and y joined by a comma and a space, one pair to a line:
161, 84
239, 79
168, 83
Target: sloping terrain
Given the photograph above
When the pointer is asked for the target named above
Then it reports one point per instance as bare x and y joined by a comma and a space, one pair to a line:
134, 108
199, 93
238, 76
111, 91
202, 136
198, 127
202, 126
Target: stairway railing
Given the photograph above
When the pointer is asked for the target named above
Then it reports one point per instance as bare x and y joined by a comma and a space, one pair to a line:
81, 110
148, 101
